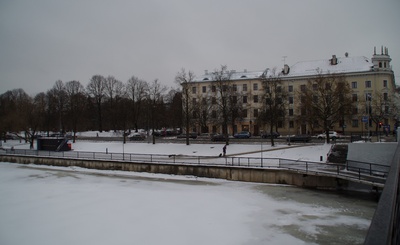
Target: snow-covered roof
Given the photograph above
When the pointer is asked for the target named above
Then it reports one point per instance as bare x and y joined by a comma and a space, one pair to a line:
344, 65
234, 75
305, 68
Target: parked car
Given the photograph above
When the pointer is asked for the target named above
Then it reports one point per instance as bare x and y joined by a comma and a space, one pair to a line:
299, 138
218, 137
268, 135
137, 136
9, 136
205, 136
242, 135
332, 135
192, 135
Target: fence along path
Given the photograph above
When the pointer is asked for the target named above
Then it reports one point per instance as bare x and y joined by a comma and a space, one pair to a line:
372, 174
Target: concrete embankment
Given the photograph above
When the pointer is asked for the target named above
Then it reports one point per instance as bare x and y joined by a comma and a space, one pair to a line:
272, 176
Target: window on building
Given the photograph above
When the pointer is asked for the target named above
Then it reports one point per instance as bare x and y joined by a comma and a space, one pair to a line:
234, 87
290, 88
291, 124
214, 114
354, 97
354, 123
213, 89
255, 112
244, 113
368, 97
244, 99
244, 87
290, 112
291, 99
279, 89
328, 86
353, 85
315, 99
234, 99
194, 101
368, 84
380, 64
385, 83
255, 86
255, 98
193, 90
224, 87
204, 89
213, 100
385, 96
355, 110
315, 87
280, 124
303, 88
386, 109
194, 115
204, 101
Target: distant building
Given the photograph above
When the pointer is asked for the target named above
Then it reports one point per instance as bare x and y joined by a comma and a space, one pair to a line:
367, 77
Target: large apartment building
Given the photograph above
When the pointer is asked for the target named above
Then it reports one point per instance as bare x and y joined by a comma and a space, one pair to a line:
366, 77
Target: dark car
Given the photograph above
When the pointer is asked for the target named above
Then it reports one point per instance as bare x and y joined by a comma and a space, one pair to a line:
137, 136
299, 138
218, 137
242, 135
268, 135
192, 135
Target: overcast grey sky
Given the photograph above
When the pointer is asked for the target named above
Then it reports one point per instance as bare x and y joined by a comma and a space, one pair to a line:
43, 41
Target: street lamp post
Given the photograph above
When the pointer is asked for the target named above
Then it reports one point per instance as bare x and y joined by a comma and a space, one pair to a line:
369, 115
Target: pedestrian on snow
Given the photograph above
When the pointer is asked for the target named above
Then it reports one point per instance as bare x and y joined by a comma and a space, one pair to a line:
224, 150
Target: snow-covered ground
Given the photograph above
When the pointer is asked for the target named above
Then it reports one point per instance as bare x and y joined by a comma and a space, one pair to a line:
51, 205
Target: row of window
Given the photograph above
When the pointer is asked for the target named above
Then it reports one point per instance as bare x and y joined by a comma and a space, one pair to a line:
354, 85
368, 84
368, 97
290, 111
234, 87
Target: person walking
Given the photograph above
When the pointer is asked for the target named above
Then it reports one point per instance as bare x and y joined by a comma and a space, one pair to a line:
224, 150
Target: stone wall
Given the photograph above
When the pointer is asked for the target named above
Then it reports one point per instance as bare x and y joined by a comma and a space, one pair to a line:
272, 176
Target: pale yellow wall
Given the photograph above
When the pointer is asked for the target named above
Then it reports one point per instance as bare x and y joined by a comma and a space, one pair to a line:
376, 79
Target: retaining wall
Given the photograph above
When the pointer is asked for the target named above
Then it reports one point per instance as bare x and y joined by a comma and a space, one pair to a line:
273, 176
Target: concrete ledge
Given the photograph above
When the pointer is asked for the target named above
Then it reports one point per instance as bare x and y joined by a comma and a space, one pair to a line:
272, 176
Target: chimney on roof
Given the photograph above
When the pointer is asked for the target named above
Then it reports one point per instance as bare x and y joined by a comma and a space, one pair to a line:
333, 60
346, 54
286, 69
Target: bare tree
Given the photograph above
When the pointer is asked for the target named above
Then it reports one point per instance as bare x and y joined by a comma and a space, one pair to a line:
174, 109
113, 89
96, 89
59, 96
324, 100
185, 79
380, 107
155, 97
222, 81
75, 104
137, 90
275, 101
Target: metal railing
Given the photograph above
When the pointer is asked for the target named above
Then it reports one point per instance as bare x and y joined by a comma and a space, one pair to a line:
363, 171
384, 228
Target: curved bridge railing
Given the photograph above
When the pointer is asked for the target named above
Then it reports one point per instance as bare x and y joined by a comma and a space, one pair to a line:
373, 174
384, 228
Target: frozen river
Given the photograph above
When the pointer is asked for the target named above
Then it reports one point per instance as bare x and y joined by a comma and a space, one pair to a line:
48, 205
